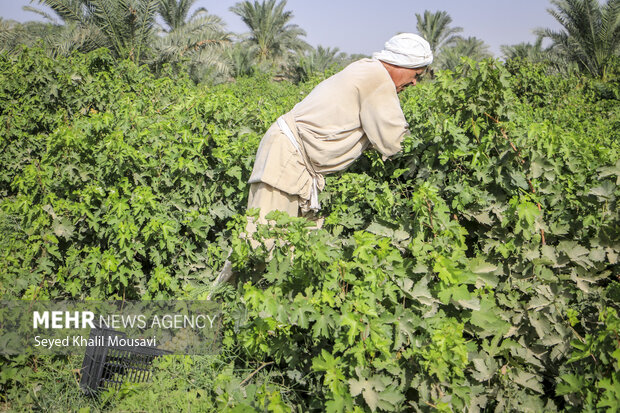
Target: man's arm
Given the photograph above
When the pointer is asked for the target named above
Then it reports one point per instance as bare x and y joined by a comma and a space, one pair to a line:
383, 121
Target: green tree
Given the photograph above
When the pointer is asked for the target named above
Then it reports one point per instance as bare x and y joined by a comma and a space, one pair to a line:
8, 35
319, 60
435, 28
590, 36
174, 12
69, 31
471, 47
272, 37
241, 60
535, 53
200, 40
532, 52
13, 34
126, 27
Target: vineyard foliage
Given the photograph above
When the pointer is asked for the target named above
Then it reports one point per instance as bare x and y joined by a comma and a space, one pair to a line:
476, 270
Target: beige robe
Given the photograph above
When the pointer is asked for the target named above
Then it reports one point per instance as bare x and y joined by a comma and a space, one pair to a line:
341, 117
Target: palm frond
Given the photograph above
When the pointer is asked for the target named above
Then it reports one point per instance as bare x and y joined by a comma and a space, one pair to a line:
471, 47
108, 18
175, 12
67, 10
72, 38
146, 24
271, 33
41, 13
435, 28
200, 42
590, 34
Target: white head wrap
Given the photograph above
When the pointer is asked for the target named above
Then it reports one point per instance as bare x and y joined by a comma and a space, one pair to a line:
406, 50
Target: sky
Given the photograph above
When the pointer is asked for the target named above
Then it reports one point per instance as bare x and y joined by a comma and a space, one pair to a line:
363, 26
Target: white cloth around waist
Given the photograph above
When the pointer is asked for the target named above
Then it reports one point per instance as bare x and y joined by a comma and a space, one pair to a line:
314, 192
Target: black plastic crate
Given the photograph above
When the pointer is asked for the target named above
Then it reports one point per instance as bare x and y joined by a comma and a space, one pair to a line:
107, 366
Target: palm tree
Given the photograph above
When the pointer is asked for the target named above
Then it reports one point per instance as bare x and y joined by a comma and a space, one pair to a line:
241, 60
68, 32
11, 35
201, 43
201, 40
174, 12
318, 61
535, 53
471, 47
435, 28
532, 52
272, 38
126, 27
590, 36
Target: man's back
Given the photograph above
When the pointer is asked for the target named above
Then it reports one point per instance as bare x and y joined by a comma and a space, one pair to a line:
339, 117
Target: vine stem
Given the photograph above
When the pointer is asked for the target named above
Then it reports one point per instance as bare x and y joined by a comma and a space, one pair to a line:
254, 373
542, 230
430, 216
345, 285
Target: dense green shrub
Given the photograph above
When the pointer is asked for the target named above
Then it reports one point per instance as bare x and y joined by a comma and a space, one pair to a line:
475, 270
472, 272
126, 193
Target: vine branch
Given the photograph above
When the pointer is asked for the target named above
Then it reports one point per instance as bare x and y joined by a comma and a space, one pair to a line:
254, 373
